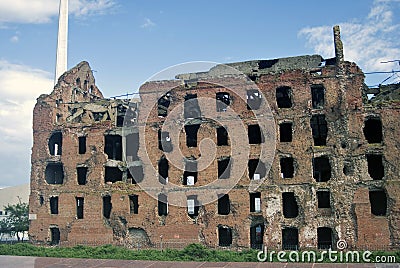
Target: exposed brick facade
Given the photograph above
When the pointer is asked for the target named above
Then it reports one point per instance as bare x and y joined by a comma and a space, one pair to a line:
305, 166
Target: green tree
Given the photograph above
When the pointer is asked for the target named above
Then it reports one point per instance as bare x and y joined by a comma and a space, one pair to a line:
4, 228
17, 221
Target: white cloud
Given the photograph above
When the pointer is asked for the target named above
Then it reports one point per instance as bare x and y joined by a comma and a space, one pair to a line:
90, 7
367, 41
14, 39
148, 23
32, 11
20, 85
42, 11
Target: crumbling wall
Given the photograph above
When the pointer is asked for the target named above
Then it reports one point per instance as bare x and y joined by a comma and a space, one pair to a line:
69, 111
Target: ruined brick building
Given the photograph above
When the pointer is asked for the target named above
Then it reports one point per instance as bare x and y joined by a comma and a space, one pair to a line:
335, 174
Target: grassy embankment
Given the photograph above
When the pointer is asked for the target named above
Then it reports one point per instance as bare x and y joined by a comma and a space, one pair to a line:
193, 252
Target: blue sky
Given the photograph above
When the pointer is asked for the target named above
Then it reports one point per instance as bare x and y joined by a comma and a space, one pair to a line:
127, 41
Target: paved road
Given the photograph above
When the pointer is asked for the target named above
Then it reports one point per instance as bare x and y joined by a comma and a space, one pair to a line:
28, 262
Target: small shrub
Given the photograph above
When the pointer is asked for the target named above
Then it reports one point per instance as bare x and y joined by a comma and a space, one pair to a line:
195, 252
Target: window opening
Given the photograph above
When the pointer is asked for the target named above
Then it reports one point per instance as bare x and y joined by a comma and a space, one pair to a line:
253, 97
287, 167
257, 169
113, 147
224, 236
284, 97
224, 168
136, 173
190, 173
223, 204
162, 205
257, 236
54, 205
375, 166
222, 136
55, 236
285, 132
164, 141
132, 146
121, 111
255, 202
54, 173
324, 199
134, 204
82, 175
79, 207
321, 169
191, 135
82, 145
107, 206
254, 134
378, 201
324, 236
163, 104
223, 100
191, 107
290, 238
318, 96
289, 205
112, 174
163, 168
193, 206
319, 128
55, 143
373, 130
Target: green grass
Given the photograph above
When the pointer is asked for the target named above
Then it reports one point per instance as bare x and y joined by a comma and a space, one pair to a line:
193, 252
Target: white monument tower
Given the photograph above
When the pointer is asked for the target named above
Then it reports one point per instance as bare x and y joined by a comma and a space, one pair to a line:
62, 40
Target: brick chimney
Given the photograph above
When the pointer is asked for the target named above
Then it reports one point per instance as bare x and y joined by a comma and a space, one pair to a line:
338, 44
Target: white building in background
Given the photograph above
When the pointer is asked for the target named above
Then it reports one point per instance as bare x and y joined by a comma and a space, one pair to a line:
12, 196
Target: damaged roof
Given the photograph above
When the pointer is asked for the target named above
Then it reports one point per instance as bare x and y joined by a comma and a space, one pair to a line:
307, 62
387, 93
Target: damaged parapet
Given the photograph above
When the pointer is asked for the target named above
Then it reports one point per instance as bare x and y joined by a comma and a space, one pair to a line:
382, 95
255, 68
78, 83
78, 100
258, 67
